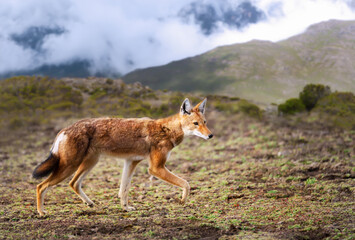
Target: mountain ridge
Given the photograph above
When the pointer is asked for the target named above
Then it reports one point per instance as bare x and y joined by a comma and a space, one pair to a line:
264, 71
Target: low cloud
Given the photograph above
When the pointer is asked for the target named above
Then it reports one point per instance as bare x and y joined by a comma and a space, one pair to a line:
117, 37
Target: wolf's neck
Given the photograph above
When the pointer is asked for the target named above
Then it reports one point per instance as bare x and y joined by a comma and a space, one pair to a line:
172, 127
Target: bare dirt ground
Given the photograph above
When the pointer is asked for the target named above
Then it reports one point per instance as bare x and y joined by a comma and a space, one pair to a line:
253, 180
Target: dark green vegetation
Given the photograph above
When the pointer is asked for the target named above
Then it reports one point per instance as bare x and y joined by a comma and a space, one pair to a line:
260, 177
292, 106
332, 109
230, 106
338, 108
264, 71
312, 93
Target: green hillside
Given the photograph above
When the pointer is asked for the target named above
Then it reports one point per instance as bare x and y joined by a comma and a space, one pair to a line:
264, 71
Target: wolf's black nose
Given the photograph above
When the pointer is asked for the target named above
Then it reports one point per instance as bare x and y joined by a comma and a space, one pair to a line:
210, 136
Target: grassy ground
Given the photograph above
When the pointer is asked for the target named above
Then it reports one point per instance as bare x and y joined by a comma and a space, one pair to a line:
253, 180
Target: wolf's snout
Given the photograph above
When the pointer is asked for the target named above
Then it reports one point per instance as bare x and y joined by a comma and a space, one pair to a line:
210, 136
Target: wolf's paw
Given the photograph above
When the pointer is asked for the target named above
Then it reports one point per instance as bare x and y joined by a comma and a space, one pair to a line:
129, 208
42, 213
179, 201
182, 201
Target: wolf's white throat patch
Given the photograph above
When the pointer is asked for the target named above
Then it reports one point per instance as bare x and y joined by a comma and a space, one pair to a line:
59, 139
187, 132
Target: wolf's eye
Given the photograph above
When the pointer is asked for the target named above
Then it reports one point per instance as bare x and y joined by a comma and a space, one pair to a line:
196, 123
204, 122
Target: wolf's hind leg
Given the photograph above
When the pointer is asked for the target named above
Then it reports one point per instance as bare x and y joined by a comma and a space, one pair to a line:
88, 163
61, 173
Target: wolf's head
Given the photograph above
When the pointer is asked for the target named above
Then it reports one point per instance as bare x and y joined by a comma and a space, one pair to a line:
193, 120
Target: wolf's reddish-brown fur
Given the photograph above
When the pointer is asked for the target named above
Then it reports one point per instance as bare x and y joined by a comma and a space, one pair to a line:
77, 149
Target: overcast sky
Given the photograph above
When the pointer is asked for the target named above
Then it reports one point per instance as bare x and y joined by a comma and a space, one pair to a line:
120, 36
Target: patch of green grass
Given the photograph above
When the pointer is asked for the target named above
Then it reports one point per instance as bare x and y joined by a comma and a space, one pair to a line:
311, 181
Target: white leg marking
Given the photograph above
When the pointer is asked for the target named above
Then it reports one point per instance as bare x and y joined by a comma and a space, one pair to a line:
83, 196
127, 174
151, 179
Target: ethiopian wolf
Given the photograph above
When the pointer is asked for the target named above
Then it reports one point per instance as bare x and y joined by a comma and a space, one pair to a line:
77, 149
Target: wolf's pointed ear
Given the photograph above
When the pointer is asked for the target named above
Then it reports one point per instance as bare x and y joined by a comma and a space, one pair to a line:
201, 106
185, 107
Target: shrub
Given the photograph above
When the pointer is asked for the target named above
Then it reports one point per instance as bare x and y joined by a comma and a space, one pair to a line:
241, 106
249, 109
338, 103
109, 81
338, 108
227, 107
312, 93
291, 106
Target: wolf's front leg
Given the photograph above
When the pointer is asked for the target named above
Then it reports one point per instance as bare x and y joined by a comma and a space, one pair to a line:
158, 169
127, 173
164, 174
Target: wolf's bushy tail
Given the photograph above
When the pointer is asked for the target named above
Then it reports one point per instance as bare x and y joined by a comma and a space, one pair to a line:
46, 167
